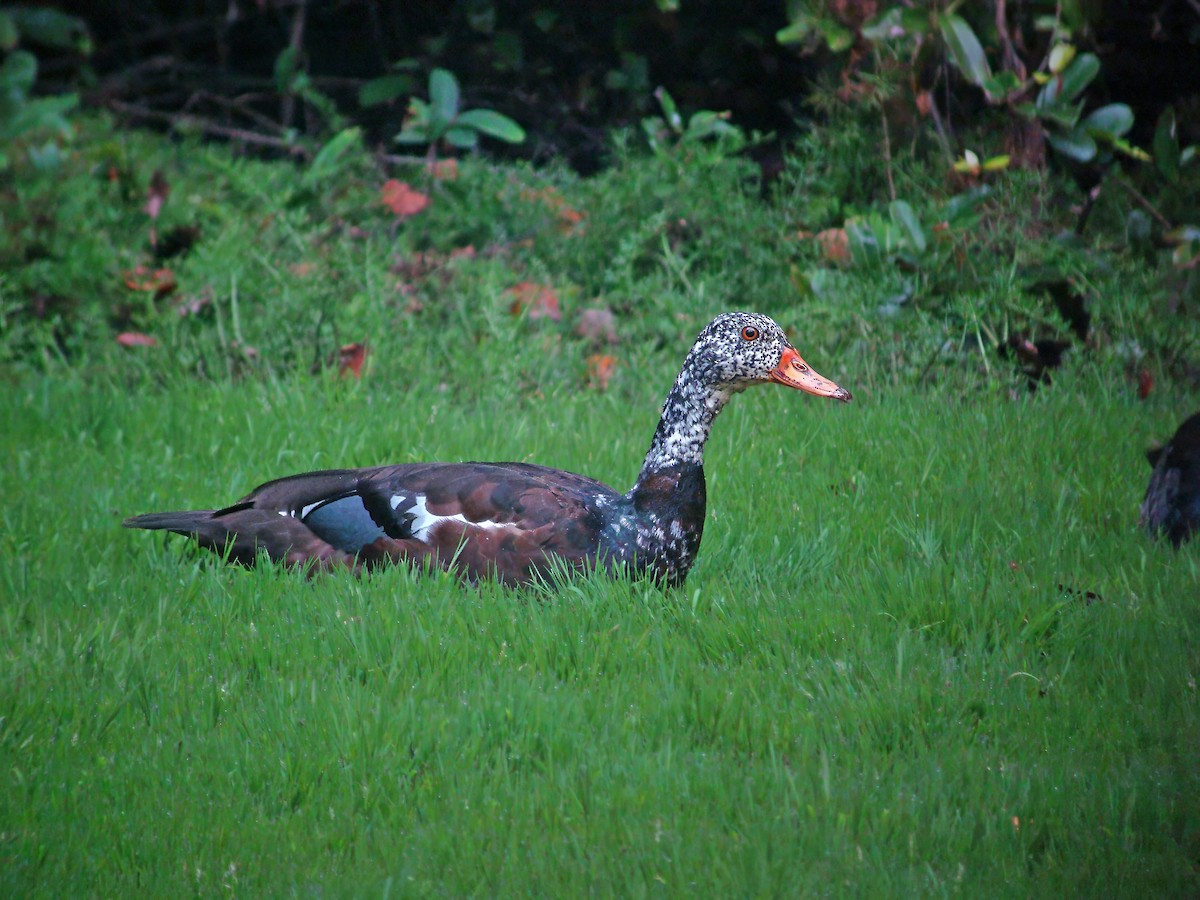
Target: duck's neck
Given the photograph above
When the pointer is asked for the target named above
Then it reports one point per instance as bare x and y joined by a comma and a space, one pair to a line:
684, 426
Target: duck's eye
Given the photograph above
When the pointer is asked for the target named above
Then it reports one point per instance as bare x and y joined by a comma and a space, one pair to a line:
749, 333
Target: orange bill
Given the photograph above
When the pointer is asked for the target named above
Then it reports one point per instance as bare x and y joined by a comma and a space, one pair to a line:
794, 372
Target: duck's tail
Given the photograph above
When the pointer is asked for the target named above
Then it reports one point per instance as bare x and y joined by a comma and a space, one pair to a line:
187, 521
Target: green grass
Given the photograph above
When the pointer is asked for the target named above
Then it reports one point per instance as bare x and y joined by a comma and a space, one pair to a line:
925, 650
871, 684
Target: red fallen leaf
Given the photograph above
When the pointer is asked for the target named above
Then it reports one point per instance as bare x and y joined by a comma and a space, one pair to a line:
136, 339
351, 358
1145, 383
402, 199
159, 281
540, 300
159, 191
924, 101
600, 368
302, 269
835, 244
570, 220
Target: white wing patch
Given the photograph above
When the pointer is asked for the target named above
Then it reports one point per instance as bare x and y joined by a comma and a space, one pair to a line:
424, 521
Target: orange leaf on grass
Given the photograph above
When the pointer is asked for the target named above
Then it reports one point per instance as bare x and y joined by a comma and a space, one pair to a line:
570, 220
540, 300
834, 244
600, 368
160, 282
351, 358
136, 339
402, 199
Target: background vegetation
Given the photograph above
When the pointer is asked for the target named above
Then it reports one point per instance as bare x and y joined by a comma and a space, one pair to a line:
926, 648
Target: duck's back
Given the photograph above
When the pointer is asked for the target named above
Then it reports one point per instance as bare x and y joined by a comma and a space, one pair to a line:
502, 519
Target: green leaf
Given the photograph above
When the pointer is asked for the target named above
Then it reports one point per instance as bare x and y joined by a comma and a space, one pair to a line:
915, 21
837, 36
17, 75
1078, 75
462, 137
796, 31
1060, 57
965, 49
1002, 84
962, 206
493, 124
903, 215
1065, 114
443, 99
864, 247
51, 28
385, 88
1109, 122
670, 110
44, 113
1166, 146
329, 159
8, 31
709, 123
1076, 144
285, 70
46, 158
414, 134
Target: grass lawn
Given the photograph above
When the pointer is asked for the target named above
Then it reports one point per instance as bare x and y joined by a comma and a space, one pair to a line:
925, 651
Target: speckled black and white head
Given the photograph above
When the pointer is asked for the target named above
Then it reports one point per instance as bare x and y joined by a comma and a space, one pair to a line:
734, 351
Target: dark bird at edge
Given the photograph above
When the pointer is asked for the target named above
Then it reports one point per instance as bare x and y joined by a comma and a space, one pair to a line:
1172, 503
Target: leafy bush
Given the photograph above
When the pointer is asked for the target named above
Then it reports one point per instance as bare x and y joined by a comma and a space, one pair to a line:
24, 118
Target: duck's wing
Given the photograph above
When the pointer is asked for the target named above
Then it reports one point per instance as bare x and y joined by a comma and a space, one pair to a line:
481, 518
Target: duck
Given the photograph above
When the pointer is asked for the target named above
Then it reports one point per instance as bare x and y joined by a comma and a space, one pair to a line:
1171, 506
515, 522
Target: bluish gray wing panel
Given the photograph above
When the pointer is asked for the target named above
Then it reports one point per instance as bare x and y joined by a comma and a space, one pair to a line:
345, 523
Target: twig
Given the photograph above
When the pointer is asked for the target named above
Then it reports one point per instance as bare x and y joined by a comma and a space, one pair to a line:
396, 160
1133, 192
1010, 51
234, 105
234, 134
288, 104
1088, 203
887, 153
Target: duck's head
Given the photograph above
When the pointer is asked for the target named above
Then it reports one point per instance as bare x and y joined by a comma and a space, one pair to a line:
739, 349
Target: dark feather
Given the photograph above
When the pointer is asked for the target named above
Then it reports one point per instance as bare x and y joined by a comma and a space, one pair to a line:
1171, 506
